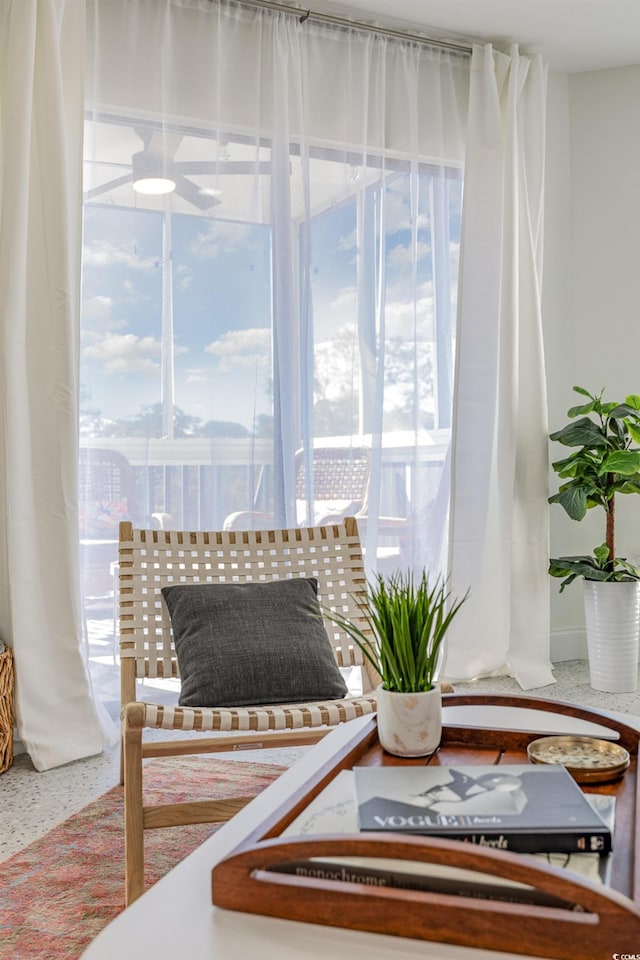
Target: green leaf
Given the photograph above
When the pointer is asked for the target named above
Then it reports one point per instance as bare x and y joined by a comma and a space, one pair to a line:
561, 566
583, 408
626, 462
559, 569
601, 554
574, 501
567, 466
624, 567
565, 583
580, 463
620, 411
582, 433
633, 400
596, 567
585, 393
629, 485
634, 432
589, 570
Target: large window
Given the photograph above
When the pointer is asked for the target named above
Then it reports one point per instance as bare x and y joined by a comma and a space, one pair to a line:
227, 338
188, 344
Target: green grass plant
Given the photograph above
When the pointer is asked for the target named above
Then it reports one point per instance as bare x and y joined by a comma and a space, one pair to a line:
408, 620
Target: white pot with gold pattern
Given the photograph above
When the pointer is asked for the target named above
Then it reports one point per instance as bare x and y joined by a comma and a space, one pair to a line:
409, 724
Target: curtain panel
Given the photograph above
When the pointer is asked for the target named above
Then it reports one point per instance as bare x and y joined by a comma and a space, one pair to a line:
41, 88
337, 157
499, 510
303, 272
308, 292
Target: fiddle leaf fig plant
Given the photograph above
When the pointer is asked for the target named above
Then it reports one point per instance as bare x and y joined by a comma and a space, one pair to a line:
605, 461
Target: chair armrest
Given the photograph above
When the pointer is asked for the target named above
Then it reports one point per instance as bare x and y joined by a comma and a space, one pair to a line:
164, 521
247, 520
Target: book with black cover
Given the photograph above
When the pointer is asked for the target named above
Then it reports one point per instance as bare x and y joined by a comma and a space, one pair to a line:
526, 809
333, 811
432, 878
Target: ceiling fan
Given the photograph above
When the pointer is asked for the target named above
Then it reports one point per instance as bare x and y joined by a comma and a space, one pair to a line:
154, 169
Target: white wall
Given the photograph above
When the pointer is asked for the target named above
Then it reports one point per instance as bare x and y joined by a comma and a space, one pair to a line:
559, 339
591, 302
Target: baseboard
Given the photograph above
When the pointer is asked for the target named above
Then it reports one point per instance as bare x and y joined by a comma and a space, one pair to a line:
568, 644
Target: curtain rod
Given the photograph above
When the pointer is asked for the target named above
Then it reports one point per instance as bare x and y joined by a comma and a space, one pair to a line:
304, 14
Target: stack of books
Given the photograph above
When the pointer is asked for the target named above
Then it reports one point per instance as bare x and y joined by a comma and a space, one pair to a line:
537, 810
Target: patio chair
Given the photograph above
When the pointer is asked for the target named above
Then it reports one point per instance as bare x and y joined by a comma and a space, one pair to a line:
106, 495
337, 489
152, 640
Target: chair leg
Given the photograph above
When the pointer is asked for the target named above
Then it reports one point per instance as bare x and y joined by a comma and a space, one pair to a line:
133, 812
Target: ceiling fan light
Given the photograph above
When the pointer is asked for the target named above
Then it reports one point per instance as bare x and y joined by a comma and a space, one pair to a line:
154, 185
151, 173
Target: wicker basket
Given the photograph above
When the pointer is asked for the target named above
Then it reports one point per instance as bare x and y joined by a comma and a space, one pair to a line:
6, 709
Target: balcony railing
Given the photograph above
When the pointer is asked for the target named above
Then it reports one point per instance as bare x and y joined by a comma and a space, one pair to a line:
199, 481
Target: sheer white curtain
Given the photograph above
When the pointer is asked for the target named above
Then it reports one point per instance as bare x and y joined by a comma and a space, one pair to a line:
499, 510
40, 206
298, 288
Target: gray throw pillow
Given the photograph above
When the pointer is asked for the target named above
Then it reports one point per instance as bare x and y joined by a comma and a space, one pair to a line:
240, 644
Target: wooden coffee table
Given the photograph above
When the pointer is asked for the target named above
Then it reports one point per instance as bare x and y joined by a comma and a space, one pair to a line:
176, 916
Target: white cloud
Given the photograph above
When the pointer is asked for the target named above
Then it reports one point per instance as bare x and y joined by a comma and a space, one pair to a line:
132, 294
197, 375
125, 353
97, 315
348, 242
346, 298
397, 210
220, 237
241, 347
399, 311
401, 257
110, 254
401, 315
183, 276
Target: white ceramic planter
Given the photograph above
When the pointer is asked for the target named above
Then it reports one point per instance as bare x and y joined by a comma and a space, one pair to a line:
409, 724
612, 616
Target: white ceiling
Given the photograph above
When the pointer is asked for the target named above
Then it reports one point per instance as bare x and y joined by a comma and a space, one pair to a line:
572, 35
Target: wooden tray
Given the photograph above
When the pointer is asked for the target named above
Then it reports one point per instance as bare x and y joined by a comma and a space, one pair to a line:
609, 922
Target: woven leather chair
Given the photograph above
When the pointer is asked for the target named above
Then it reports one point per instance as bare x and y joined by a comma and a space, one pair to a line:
152, 559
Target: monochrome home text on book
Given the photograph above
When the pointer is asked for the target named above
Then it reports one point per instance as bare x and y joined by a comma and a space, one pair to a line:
522, 808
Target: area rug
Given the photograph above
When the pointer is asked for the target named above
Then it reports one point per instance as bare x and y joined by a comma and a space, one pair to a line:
60, 891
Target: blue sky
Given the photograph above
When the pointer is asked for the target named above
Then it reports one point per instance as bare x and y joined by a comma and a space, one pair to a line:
220, 288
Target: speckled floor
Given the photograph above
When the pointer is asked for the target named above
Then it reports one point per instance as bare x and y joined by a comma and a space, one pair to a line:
572, 685
33, 803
